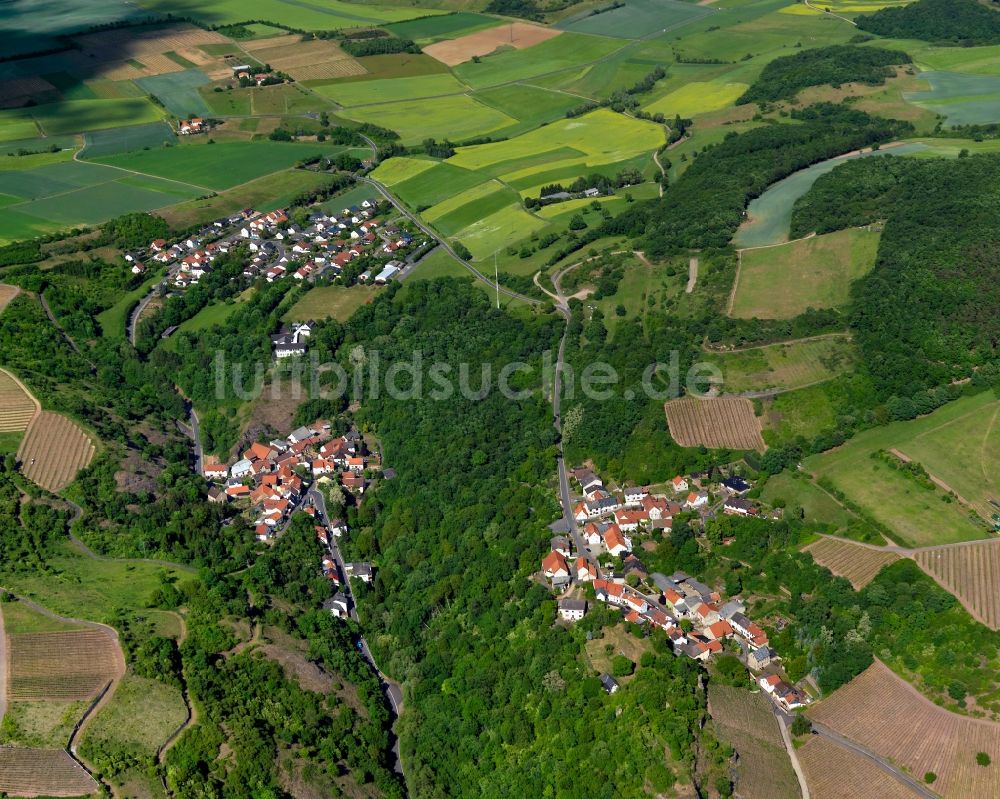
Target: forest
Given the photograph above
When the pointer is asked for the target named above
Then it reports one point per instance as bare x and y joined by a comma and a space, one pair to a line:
783, 78
966, 23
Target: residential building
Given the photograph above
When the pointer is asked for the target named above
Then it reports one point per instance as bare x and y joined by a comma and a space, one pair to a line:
572, 609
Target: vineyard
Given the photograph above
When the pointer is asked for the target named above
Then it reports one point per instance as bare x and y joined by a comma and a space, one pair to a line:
53, 450
63, 666
744, 720
833, 772
721, 423
7, 293
972, 573
17, 406
857, 563
42, 772
885, 714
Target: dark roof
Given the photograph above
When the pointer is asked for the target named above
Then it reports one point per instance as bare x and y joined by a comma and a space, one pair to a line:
609, 682
736, 483
572, 604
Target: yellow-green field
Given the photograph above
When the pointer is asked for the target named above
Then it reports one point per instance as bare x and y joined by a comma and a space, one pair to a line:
396, 170
324, 302
454, 117
850, 7
485, 237
697, 98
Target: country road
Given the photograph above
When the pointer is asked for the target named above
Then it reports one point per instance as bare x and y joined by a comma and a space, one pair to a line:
133, 319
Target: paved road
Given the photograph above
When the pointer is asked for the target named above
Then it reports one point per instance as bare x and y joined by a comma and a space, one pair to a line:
900, 776
133, 319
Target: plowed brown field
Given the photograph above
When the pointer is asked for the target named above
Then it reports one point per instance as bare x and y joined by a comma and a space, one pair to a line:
720, 423
7, 293
971, 572
62, 666
53, 450
518, 35
851, 560
42, 772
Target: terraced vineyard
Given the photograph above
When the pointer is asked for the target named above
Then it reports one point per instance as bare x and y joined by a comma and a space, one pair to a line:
857, 563
42, 772
971, 573
885, 714
721, 423
17, 406
833, 772
62, 666
54, 450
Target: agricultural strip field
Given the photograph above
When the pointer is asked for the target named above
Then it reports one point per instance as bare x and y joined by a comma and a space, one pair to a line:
463, 209
850, 560
962, 99
491, 233
432, 186
517, 35
62, 666
454, 117
720, 423
121, 140
812, 273
784, 367
885, 714
957, 445
396, 170
54, 449
78, 116
636, 19
834, 772
42, 772
330, 15
697, 98
971, 573
449, 26
323, 302
178, 91
769, 216
744, 720
17, 406
392, 90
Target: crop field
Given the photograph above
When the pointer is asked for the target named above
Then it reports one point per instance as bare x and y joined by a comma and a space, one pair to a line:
17, 406
122, 140
396, 170
517, 35
178, 91
16, 92
130, 53
530, 105
560, 53
697, 98
972, 573
744, 720
967, 60
330, 15
962, 99
465, 208
855, 562
24, 30
320, 59
833, 772
884, 713
769, 216
636, 18
54, 450
957, 445
338, 302
494, 232
78, 116
16, 126
720, 423
62, 666
42, 772
449, 26
784, 367
456, 117
431, 186
815, 272
392, 90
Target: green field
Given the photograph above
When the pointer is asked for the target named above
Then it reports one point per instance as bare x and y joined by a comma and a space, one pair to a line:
114, 320
178, 91
489, 234
561, 53
796, 489
15, 127
450, 26
434, 185
968, 60
9, 442
219, 166
636, 19
19, 619
214, 314
812, 273
234, 102
122, 140
529, 105
784, 367
439, 264
338, 302
330, 15
697, 98
396, 170
77, 116
456, 117
957, 444
391, 90
962, 99
465, 208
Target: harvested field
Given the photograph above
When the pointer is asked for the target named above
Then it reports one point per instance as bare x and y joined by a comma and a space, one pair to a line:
140, 53
315, 60
519, 35
720, 423
62, 666
972, 573
833, 772
885, 714
54, 450
857, 563
744, 720
17, 406
42, 772
7, 293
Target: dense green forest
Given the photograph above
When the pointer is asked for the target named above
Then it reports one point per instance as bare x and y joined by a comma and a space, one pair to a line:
961, 22
783, 78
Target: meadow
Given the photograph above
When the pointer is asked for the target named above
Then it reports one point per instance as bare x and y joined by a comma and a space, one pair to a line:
784, 367
812, 273
178, 91
491, 233
962, 99
699, 97
796, 489
457, 212
338, 302
77, 116
955, 444
332, 14
121, 140
391, 90
431, 186
113, 320
448, 26
455, 117
636, 19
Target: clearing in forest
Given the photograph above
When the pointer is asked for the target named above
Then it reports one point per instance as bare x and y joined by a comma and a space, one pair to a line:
972, 573
519, 35
744, 720
720, 423
785, 366
17, 406
850, 560
887, 715
54, 449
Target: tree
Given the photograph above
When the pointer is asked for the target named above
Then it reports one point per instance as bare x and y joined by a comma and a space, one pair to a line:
621, 666
982, 759
930, 777
577, 222
801, 726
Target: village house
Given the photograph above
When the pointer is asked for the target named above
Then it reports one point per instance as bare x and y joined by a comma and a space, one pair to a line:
696, 499
609, 683
634, 495
554, 566
585, 570
616, 542
560, 544
679, 484
213, 470
572, 609
737, 506
337, 605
